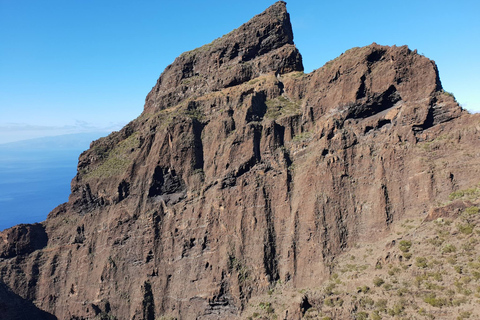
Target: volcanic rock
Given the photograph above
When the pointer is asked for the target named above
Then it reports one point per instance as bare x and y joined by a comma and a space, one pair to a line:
262, 45
241, 172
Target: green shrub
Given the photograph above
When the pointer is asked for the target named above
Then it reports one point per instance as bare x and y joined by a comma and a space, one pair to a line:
456, 195
468, 246
432, 286
421, 262
452, 259
388, 286
449, 94
329, 289
377, 281
472, 210
365, 302
407, 255
339, 302
459, 301
396, 310
265, 305
432, 300
419, 280
376, 315
465, 280
437, 276
449, 248
381, 304
269, 309
393, 270
363, 289
402, 291
437, 241
405, 245
464, 315
471, 193
281, 106
476, 275
465, 228
450, 292
329, 302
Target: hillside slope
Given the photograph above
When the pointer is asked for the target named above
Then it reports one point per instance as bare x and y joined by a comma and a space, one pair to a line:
241, 172
425, 268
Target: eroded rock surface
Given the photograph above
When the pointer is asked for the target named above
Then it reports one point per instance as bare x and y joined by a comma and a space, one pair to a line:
22, 239
243, 171
262, 45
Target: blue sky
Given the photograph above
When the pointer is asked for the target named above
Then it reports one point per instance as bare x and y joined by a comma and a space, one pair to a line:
82, 66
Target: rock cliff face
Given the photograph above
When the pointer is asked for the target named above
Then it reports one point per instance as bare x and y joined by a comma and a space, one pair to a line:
243, 171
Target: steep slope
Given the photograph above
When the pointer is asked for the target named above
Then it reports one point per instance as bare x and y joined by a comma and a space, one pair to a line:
425, 268
243, 171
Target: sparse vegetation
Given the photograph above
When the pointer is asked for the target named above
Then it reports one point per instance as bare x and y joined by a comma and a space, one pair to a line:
297, 74
449, 248
114, 160
362, 315
469, 194
442, 273
465, 228
405, 245
472, 210
281, 106
377, 281
235, 265
421, 262
434, 301
448, 94
302, 137
363, 289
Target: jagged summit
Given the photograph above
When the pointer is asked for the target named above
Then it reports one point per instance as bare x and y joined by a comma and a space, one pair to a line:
242, 173
262, 45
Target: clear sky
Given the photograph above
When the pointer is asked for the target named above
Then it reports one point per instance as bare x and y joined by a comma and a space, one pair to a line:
79, 66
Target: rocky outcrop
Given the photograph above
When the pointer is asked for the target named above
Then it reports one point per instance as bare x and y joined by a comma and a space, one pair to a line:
22, 239
243, 171
262, 45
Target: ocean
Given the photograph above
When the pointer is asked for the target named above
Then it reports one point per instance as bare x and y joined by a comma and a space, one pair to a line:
35, 176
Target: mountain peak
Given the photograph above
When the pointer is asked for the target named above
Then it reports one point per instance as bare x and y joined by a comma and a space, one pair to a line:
262, 45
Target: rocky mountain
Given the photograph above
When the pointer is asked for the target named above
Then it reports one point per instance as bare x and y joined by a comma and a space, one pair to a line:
241, 173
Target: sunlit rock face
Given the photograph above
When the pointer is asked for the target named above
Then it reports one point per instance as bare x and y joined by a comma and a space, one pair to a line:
243, 171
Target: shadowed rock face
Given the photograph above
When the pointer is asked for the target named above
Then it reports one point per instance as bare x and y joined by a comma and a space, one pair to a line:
243, 171
13, 306
22, 239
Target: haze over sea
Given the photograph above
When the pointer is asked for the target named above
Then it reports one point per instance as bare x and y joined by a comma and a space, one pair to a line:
35, 176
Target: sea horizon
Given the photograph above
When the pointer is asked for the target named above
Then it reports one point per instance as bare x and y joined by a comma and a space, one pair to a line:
35, 176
